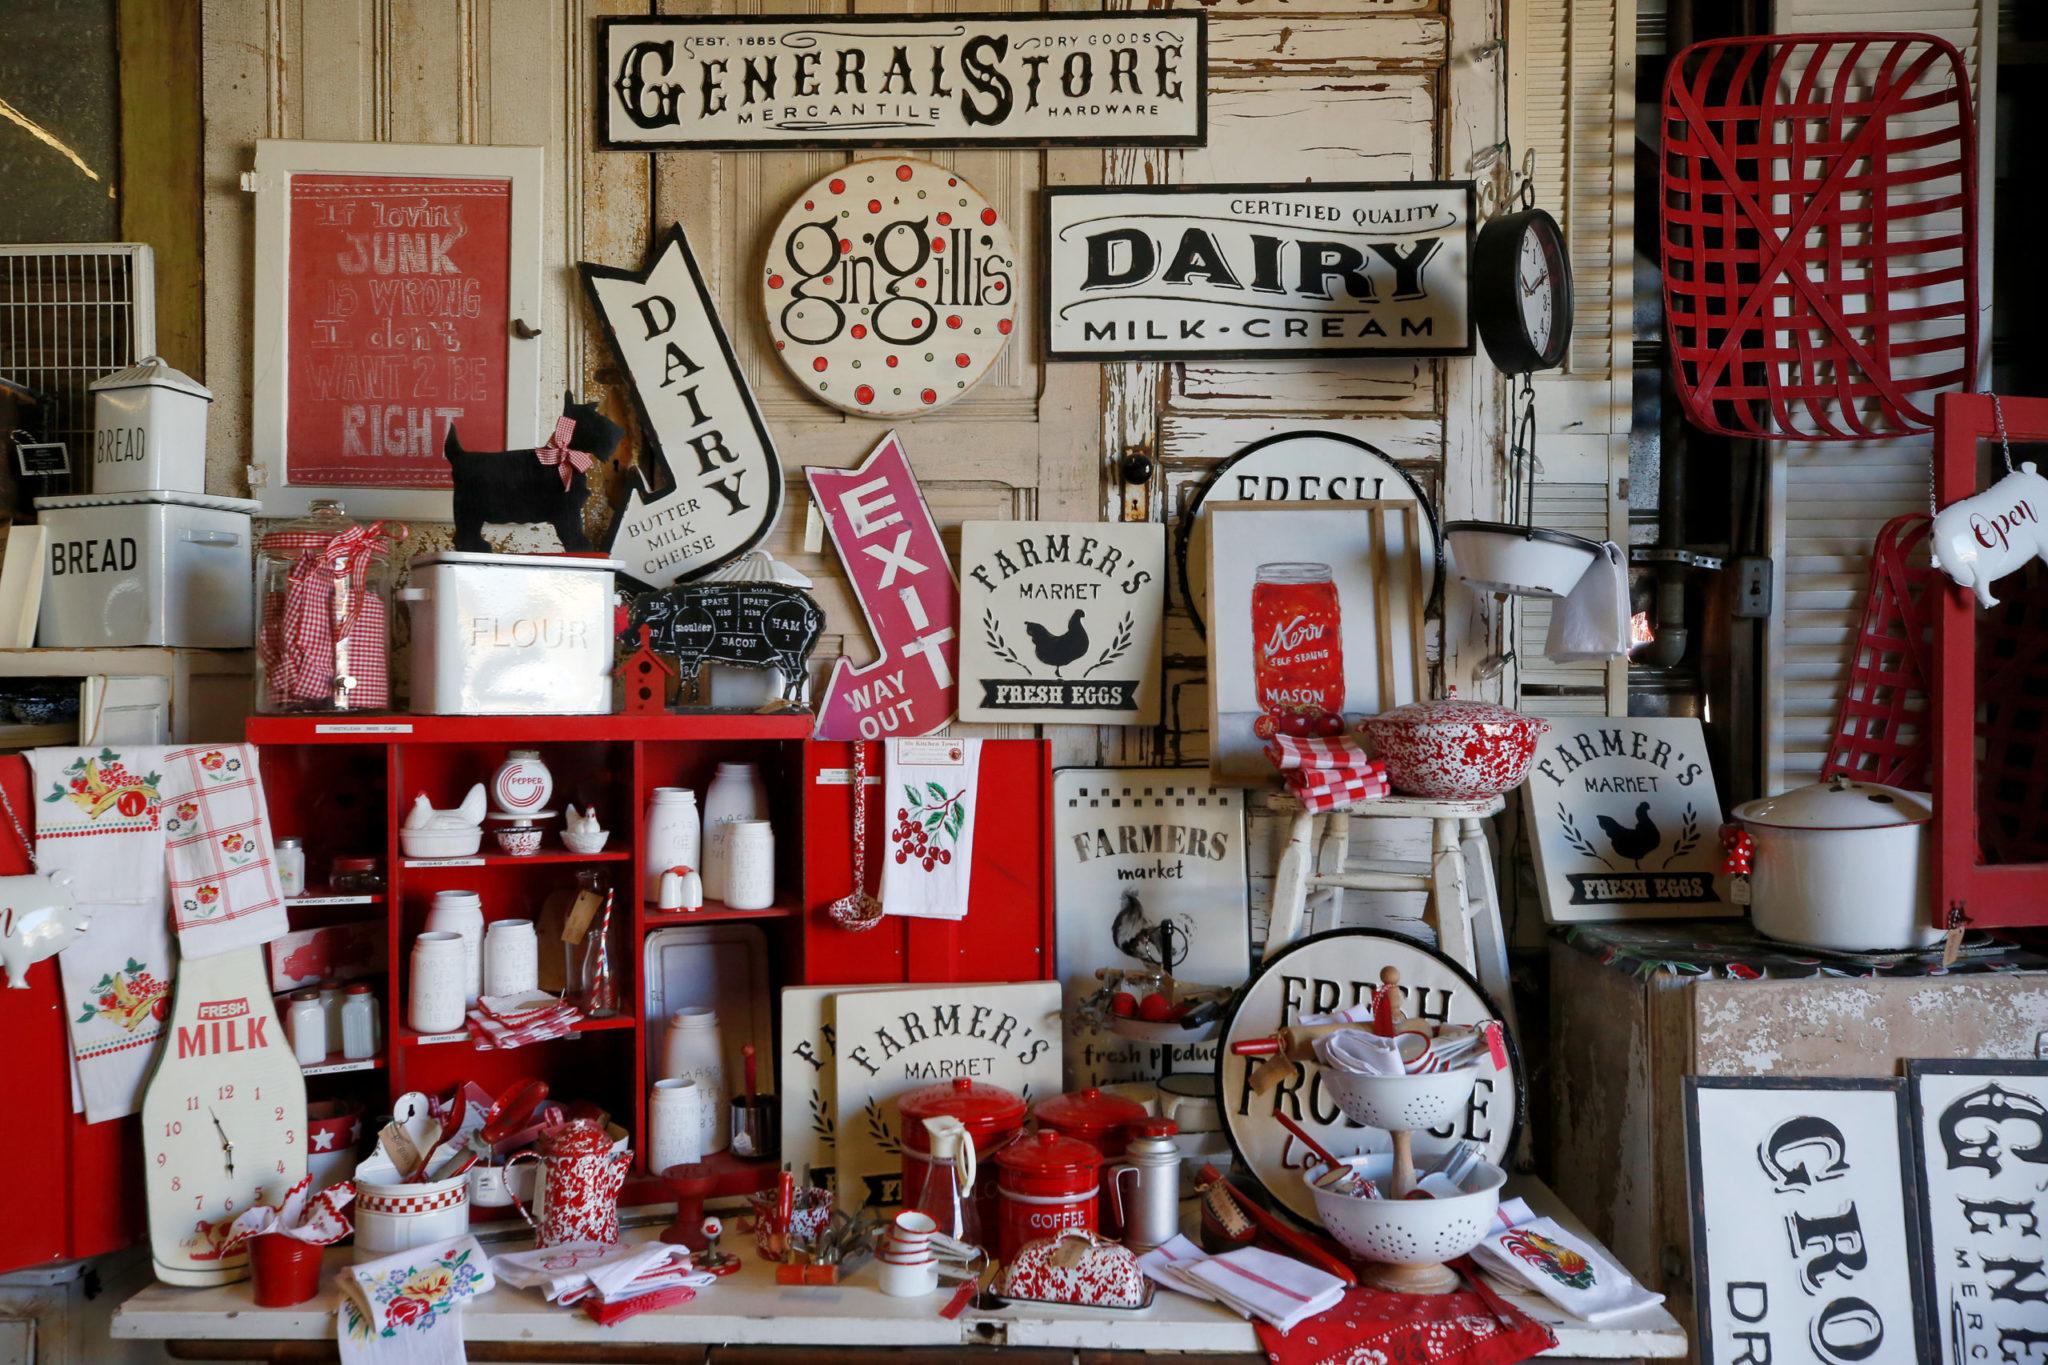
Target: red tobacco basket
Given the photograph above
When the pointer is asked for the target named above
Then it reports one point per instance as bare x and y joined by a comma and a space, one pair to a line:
1819, 233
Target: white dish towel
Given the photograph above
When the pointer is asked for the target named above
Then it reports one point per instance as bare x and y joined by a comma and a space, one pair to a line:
1593, 620
930, 791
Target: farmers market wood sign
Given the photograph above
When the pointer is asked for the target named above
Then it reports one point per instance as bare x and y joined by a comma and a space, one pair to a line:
1239, 272
1004, 80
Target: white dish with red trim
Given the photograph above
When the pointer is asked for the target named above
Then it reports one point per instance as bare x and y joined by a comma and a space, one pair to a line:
399, 1217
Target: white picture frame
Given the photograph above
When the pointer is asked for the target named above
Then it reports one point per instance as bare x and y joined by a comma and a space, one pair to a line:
1805, 1221
1981, 1128
278, 162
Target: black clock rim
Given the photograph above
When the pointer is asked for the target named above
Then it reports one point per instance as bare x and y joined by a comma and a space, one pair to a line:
1495, 266
1265, 968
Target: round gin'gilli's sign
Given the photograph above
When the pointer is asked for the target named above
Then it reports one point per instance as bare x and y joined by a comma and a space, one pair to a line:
890, 287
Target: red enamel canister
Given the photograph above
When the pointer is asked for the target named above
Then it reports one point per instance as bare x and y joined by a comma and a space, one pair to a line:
991, 1115
1044, 1183
1102, 1120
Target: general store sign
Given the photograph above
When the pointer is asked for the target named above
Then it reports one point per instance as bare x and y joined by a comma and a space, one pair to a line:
1239, 272
1127, 79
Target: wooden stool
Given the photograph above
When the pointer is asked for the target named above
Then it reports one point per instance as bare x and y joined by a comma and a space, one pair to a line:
1466, 918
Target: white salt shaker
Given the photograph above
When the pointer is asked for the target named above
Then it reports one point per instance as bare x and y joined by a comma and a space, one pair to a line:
307, 1024
436, 1000
291, 867
675, 1112
750, 876
694, 1049
511, 958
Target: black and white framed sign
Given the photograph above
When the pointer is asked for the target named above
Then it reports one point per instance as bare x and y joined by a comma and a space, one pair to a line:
1062, 622
1627, 821
1805, 1223
1982, 1128
1331, 971
710, 482
1124, 79
1295, 466
1148, 871
1246, 272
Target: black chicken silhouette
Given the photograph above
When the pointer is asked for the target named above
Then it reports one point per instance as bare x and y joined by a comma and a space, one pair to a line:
1634, 844
1057, 651
1136, 935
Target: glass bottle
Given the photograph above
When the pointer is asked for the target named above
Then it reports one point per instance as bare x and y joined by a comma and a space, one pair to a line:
948, 1176
291, 868
307, 659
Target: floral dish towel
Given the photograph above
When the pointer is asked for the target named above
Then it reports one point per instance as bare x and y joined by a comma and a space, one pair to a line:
117, 990
930, 787
406, 1309
223, 872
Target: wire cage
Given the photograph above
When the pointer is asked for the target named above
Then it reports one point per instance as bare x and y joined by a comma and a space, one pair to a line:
69, 314
1819, 208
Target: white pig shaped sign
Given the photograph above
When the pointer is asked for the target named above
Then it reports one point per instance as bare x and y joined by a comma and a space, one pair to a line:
1990, 535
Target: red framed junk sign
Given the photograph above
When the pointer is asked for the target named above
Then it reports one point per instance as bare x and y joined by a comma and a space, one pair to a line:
1819, 214
1990, 670
397, 297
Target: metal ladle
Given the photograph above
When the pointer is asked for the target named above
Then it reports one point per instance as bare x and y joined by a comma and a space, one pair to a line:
857, 910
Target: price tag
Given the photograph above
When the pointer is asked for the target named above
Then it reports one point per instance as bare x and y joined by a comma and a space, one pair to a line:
1738, 890
336, 1068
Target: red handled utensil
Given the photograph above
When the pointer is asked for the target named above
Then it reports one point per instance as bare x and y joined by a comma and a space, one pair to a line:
1299, 1244
509, 1113
747, 1054
1322, 1153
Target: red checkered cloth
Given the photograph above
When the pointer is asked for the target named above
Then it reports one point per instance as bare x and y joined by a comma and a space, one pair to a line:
1320, 796
1289, 752
491, 1031
299, 632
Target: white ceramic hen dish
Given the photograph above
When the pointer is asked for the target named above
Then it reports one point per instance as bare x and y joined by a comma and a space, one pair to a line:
1406, 1231
441, 843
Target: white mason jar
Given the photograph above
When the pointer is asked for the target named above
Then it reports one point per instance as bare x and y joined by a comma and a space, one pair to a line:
511, 958
694, 1049
671, 840
436, 998
750, 880
675, 1122
462, 912
738, 792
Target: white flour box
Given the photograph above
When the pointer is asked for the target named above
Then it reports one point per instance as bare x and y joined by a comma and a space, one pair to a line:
147, 568
498, 635
149, 430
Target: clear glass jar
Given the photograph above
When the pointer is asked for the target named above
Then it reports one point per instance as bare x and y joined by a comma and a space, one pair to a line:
355, 877
291, 868
306, 660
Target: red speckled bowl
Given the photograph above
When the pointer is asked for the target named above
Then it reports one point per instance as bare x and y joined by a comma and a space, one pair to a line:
1454, 750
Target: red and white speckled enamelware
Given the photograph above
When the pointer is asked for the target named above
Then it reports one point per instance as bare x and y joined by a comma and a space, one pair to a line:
1454, 750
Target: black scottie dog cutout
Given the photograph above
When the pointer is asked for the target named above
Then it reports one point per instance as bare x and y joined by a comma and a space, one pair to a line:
514, 486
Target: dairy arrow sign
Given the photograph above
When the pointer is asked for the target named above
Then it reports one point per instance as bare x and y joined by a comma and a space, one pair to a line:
1243, 272
708, 467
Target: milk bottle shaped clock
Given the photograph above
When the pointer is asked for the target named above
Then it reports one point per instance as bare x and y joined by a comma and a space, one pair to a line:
223, 1119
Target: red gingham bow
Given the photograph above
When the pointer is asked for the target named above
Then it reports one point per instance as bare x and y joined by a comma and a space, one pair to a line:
313, 626
557, 452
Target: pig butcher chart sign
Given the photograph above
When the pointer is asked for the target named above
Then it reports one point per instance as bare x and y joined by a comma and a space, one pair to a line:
903, 577
1249, 271
1982, 1128
708, 467
894, 80
1063, 621
1244, 272
1804, 1222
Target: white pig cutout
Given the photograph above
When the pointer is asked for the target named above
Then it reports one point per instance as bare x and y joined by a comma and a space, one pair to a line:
38, 918
1990, 534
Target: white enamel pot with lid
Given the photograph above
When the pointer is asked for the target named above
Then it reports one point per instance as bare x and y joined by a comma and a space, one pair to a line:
1842, 865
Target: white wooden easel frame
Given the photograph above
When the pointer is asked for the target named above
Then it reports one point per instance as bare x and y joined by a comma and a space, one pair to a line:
277, 162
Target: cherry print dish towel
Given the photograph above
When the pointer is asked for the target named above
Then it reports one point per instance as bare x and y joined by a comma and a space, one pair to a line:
930, 790
406, 1309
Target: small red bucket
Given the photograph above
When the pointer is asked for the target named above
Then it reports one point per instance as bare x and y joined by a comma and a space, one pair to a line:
286, 1270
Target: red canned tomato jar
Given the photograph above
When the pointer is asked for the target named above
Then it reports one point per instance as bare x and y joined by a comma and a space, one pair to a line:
1297, 642
991, 1115
1102, 1121
1045, 1183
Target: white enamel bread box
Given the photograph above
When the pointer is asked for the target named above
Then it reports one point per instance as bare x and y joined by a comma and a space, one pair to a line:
148, 568
498, 635
149, 430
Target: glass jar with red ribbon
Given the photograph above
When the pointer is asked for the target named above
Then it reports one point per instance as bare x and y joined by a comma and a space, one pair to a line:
323, 587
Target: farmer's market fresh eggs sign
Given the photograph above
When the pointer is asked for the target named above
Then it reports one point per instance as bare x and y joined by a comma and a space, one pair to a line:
890, 287
1627, 821
1167, 272
874, 80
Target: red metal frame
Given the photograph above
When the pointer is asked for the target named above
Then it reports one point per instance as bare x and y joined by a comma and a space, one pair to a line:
2009, 893
1789, 239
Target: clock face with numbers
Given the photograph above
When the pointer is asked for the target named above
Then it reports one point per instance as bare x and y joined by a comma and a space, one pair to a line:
223, 1119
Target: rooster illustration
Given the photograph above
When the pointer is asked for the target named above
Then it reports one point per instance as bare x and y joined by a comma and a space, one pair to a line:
1137, 935
1057, 651
1634, 844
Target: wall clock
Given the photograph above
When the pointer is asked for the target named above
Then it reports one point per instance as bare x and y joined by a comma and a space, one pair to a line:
890, 287
1324, 972
223, 1119
1522, 291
